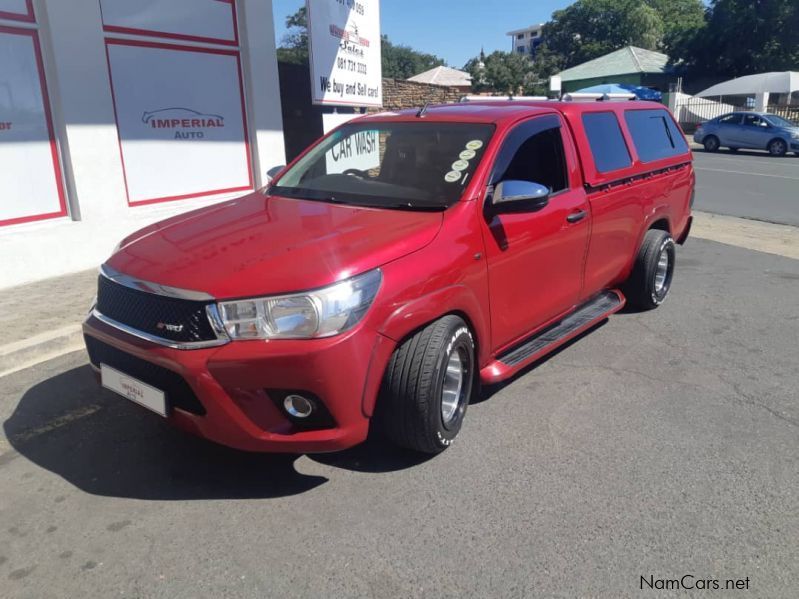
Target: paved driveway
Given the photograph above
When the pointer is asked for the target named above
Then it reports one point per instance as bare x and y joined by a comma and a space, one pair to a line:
748, 183
662, 444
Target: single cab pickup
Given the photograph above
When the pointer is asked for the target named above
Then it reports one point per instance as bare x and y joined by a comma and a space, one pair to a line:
399, 263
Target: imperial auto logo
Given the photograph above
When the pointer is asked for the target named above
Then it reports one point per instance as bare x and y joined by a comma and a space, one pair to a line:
185, 122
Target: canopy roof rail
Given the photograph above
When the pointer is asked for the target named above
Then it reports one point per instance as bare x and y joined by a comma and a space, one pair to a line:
596, 97
502, 98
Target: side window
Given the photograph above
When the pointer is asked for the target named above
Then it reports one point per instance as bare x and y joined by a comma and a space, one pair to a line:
654, 134
607, 143
730, 119
538, 158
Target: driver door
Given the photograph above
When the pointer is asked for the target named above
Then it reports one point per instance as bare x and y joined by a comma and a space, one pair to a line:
535, 258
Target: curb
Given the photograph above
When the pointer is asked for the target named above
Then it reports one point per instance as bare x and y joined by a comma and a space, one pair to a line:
40, 348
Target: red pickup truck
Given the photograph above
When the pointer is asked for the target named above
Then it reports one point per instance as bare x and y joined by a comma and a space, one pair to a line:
401, 261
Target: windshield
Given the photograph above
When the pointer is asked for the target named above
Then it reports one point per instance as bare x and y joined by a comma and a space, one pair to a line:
412, 165
778, 121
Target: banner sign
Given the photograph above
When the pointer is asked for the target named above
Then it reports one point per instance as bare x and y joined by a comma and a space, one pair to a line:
344, 38
30, 176
199, 20
180, 117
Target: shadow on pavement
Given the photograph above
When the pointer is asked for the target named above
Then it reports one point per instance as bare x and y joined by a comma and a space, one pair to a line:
105, 446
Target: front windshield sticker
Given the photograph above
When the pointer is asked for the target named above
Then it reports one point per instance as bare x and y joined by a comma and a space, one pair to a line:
467, 155
460, 165
452, 176
475, 144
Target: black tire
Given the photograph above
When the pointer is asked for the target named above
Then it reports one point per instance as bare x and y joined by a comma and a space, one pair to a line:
645, 289
409, 408
777, 147
711, 143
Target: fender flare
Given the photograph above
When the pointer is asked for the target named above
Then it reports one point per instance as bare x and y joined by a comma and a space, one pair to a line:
453, 299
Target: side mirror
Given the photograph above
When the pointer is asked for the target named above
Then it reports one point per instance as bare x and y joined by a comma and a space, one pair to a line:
519, 196
272, 172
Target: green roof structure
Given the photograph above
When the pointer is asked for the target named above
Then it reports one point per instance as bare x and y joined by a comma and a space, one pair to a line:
626, 65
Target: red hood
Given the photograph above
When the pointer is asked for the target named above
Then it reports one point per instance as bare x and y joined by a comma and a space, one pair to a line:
260, 245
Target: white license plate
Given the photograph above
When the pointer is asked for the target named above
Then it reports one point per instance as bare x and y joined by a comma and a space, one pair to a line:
133, 389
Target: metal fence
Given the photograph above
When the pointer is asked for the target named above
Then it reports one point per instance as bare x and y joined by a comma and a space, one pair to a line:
692, 111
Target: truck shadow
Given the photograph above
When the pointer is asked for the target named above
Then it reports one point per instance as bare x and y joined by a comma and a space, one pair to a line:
106, 446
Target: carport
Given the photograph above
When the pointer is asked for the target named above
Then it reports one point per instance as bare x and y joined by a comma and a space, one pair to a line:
761, 86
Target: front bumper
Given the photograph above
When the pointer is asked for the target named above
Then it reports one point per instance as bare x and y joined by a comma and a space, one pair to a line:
233, 384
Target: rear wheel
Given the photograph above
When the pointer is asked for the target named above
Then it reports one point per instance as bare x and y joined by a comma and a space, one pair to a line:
711, 143
777, 147
427, 386
650, 281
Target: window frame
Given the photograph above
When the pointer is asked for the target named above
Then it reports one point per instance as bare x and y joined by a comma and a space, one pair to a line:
516, 137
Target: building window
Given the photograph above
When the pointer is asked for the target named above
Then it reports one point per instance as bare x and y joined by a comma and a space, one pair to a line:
31, 184
520, 36
180, 109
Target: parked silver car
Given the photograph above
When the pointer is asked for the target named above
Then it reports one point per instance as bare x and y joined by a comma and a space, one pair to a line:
754, 130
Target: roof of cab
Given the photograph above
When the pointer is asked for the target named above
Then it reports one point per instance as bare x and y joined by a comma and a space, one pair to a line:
466, 112
508, 110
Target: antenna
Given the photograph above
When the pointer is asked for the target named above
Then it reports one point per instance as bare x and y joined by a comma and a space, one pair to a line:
422, 110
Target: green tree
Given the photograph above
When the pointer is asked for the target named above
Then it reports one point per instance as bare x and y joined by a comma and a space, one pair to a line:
502, 72
591, 28
399, 62
294, 46
742, 37
681, 19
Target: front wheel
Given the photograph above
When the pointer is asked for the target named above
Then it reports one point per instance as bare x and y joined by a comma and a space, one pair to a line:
653, 271
427, 386
777, 147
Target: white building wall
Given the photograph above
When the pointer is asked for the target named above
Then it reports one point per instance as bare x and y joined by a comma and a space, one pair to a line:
73, 45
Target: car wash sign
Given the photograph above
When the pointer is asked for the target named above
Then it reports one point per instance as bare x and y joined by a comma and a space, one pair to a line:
344, 37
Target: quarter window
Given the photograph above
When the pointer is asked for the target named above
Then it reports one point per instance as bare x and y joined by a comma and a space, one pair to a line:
654, 134
607, 143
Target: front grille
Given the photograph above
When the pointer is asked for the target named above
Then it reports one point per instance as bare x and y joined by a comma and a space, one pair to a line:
178, 392
173, 319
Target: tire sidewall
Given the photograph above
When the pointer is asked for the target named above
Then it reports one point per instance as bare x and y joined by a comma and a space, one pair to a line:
711, 141
658, 297
783, 146
458, 337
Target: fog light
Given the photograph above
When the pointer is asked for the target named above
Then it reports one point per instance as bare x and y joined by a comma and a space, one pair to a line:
298, 406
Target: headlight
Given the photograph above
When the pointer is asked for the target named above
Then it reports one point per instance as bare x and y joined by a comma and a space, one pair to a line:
319, 313
795, 135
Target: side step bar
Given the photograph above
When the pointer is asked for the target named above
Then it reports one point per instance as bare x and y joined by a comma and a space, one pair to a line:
543, 342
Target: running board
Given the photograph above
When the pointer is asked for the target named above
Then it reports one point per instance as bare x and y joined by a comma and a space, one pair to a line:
582, 318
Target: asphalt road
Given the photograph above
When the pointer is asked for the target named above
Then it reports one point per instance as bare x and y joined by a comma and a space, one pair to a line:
748, 184
661, 444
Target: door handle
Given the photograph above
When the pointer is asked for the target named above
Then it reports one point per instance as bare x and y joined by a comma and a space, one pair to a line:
576, 217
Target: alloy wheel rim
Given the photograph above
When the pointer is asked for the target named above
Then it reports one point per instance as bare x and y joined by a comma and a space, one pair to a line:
662, 271
778, 147
452, 388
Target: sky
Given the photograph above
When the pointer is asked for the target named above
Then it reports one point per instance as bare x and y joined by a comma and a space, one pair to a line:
452, 29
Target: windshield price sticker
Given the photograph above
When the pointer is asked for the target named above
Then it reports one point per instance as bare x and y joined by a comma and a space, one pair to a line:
475, 144
452, 176
460, 165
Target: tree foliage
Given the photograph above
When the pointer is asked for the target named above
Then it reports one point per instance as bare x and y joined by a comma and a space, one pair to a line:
742, 37
502, 72
399, 61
